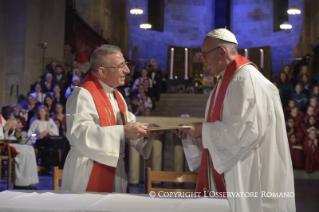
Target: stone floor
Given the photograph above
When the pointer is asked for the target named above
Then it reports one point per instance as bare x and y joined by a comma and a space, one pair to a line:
306, 190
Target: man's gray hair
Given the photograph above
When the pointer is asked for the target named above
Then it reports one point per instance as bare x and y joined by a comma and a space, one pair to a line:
99, 58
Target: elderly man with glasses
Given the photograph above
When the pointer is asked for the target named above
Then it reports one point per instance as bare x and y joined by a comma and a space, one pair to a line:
99, 125
241, 148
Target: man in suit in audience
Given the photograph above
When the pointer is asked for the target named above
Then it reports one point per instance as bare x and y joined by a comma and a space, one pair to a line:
59, 78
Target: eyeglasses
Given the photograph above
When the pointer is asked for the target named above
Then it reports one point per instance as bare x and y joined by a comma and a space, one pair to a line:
121, 66
205, 54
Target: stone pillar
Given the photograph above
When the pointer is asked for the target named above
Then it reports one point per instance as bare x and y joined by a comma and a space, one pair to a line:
24, 24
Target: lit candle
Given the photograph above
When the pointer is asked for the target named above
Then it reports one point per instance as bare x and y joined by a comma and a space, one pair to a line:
246, 53
172, 63
186, 63
261, 58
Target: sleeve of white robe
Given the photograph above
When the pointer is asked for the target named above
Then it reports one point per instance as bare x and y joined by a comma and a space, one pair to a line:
85, 133
143, 146
193, 152
240, 131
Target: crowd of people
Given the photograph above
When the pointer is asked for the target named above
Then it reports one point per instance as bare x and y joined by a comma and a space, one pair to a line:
299, 92
44, 113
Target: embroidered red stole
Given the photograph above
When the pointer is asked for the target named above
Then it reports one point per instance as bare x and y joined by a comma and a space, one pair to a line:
215, 114
102, 176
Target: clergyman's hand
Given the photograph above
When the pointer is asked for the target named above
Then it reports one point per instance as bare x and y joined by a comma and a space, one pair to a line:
134, 131
153, 134
195, 131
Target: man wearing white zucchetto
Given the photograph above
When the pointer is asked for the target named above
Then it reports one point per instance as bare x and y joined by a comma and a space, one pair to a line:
242, 145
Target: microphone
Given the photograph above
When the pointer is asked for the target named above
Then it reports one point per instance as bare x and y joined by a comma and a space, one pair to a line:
43, 45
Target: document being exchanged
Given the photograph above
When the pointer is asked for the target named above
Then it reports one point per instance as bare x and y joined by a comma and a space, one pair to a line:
167, 128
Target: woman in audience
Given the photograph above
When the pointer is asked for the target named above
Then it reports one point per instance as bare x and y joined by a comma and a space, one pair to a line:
311, 124
57, 97
29, 109
285, 88
136, 107
48, 102
314, 104
303, 70
139, 81
75, 82
59, 114
310, 148
296, 153
39, 96
291, 127
59, 126
306, 84
43, 125
47, 84
16, 114
147, 102
315, 92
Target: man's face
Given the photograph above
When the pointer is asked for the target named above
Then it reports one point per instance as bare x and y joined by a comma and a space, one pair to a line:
211, 58
58, 70
298, 88
16, 111
115, 76
56, 89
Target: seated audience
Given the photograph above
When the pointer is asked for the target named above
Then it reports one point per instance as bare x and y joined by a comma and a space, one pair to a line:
75, 82
59, 114
300, 98
49, 104
47, 84
140, 80
147, 111
310, 148
296, 153
57, 97
315, 92
306, 84
29, 109
16, 115
43, 125
297, 116
39, 96
25, 167
143, 98
59, 126
291, 104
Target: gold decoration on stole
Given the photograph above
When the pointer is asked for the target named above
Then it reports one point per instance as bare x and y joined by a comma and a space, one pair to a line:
109, 116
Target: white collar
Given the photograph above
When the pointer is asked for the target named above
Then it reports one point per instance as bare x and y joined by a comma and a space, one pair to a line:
107, 88
222, 73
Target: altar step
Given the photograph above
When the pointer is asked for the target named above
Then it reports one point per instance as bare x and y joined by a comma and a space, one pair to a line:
178, 104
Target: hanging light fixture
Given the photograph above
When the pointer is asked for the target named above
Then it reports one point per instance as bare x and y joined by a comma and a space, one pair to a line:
136, 11
285, 25
145, 25
293, 11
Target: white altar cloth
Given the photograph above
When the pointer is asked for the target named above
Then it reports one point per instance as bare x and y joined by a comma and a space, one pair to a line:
47, 201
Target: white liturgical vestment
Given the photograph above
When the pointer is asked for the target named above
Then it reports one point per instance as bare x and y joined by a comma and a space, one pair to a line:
25, 168
90, 142
249, 145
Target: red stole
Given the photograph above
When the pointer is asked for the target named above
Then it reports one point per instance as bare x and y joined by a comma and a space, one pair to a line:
102, 176
0, 119
215, 114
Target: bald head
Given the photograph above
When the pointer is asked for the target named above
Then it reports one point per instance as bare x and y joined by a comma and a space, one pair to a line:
99, 57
